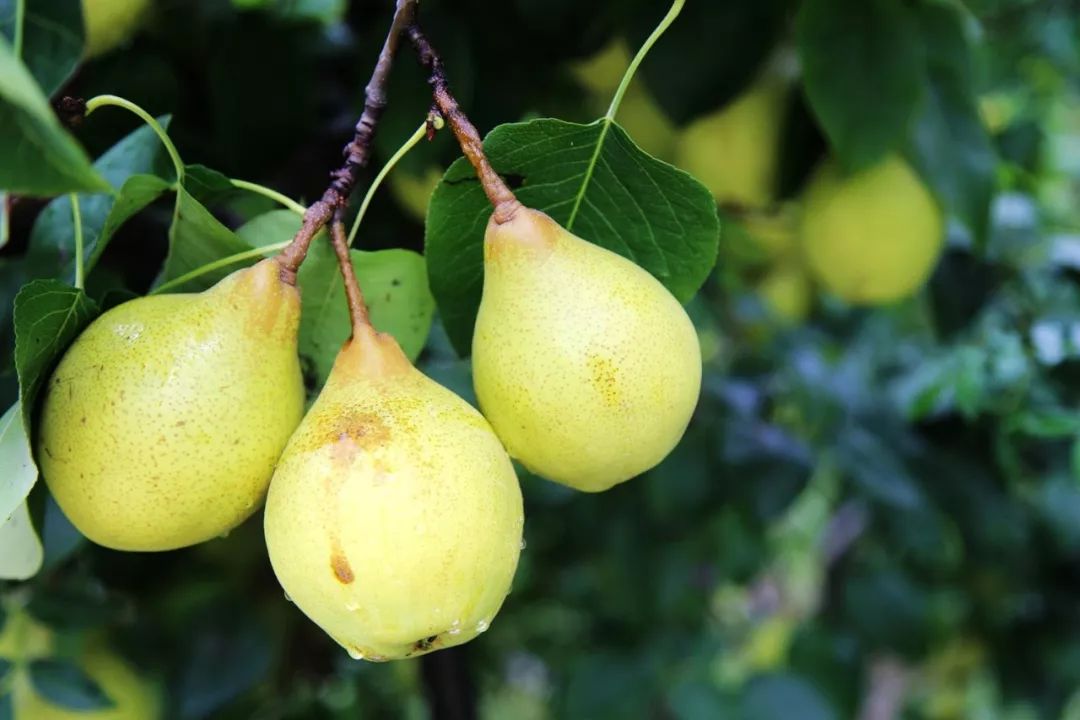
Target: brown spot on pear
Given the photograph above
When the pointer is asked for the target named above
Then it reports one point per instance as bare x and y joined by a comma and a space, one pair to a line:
428, 511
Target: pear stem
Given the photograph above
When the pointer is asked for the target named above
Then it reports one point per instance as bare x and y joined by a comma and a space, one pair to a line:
501, 196
357, 152
358, 311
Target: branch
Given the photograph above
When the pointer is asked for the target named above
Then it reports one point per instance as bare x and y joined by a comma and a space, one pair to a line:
357, 152
500, 195
358, 311
886, 691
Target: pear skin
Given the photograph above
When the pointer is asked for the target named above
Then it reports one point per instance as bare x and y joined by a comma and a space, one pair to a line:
735, 151
161, 425
394, 519
109, 23
872, 237
585, 365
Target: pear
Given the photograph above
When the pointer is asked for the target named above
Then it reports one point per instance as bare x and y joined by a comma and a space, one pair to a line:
872, 237
786, 292
735, 151
394, 518
24, 640
585, 365
413, 191
109, 23
161, 425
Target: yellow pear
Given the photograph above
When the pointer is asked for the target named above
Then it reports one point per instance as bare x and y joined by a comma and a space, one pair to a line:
872, 237
735, 151
601, 73
585, 365
108, 23
24, 640
413, 192
394, 519
161, 425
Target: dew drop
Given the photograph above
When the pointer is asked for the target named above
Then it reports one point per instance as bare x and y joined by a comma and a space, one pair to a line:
355, 654
481, 626
288, 598
523, 543
352, 606
455, 628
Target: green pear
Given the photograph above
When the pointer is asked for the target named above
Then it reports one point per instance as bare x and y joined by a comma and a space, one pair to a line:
109, 23
871, 237
585, 365
394, 519
161, 425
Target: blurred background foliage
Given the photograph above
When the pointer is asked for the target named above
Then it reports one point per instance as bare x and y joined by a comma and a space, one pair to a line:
875, 512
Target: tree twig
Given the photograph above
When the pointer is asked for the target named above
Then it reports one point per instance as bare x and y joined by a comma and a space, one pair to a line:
497, 191
887, 686
357, 152
358, 312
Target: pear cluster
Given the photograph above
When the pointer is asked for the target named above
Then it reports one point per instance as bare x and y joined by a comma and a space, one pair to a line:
393, 515
869, 237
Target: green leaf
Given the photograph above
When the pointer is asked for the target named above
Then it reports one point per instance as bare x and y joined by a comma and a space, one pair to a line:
949, 144
774, 697
862, 73
394, 283
40, 157
7, 706
196, 238
1051, 423
64, 683
52, 38
628, 202
59, 538
741, 36
48, 317
18, 473
324, 11
74, 603
5, 219
129, 167
274, 227
228, 650
877, 468
207, 185
22, 555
